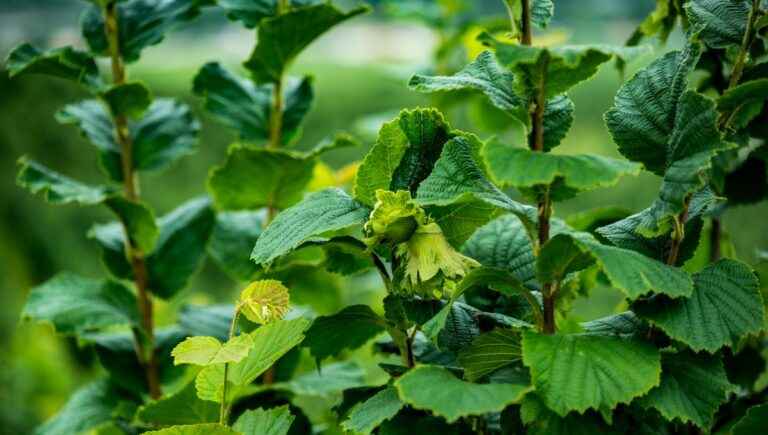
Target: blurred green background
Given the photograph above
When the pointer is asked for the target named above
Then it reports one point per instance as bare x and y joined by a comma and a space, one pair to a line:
360, 69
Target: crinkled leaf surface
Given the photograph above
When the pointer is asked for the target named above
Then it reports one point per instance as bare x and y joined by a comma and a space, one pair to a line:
273, 421
142, 23
183, 407
578, 372
320, 212
204, 351
66, 63
435, 389
283, 37
350, 328
366, 416
722, 23
282, 178
246, 107
725, 306
504, 243
196, 429
87, 408
692, 388
490, 352
251, 12
75, 304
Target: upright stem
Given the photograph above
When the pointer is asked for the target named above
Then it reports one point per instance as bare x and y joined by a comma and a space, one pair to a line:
145, 337
738, 67
526, 31
224, 409
678, 234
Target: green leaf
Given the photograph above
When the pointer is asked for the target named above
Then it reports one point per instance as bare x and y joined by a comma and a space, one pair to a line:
692, 388
211, 320
484, 74
366, 416
490, 352
180, 247
753, 421
141, 23
87, 408
283, 177
232, 239
559, 68
274, 421
320, 212
182, 407
558, 117
205, 351
435, 389
195, 429
721, 23
75, 304
503, 243
524, 168
130, 99
138, 220
403, 155
540, 420
247, 108
331, 380
725, 306
350, 328
457, 178
66, 63
632, 273
578, 372
459, 221
56, 188
743, 102
283, 37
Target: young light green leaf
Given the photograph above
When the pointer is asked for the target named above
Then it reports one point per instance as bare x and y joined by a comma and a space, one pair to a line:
435, 389
183, 407
350, 328
66, 63
320, 212
283, 37
87, 408
142, 23
404, 154
490, 352
721, 23
692, 388
75, 304
283, 176
264, 301
725, 306
523, 168
56, 188
274, 421
240, 104
131, 99
578, 372
632, 273
366, 416
205, 351
233, 237
196, 429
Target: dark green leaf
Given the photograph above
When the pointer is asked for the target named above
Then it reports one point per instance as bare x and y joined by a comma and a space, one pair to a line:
182, 407
490, 352
232, 239
88, 408
130, 99
56, 188
213, 320
504, 243
350, 328
67, 63
722, 23
753, 421
367, 416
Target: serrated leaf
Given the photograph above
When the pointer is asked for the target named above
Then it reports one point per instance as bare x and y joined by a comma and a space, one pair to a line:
283, 177
331, 380
524, 168
320, 212
87, 408
233, 237
540, 420
283, 37
721, 23
195, 429
692, 388
350, 328
182, 407
66, 63
56, 188
130, 99
435, 389
578, 372
558, 117
366, 416
632, 273
75, 304
141, 23
459, 221
504, 243
625, 324
559, 68
725, 306
490, 352
205, 351
457, 178
403, 155
264, 301
743, 103
274, 421
246, 107
753, 421
138, 220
